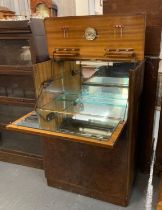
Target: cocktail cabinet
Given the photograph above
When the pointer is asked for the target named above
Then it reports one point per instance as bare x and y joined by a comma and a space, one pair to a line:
88, 100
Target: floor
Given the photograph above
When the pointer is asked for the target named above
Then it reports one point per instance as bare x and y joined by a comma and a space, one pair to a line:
24, 188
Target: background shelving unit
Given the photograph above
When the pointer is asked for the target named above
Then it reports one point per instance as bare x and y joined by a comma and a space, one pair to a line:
22, 45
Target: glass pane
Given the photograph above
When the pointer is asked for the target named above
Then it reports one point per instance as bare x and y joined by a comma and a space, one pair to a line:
88, 104
107, 81
17, 86
10, 113
15, 52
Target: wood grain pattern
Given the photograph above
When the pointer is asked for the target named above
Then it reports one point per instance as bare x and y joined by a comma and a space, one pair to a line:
153, 17
135, 97
17, 101
51, 70
88, 170
83, 168
152, 11
18, 79
147, 113
42, 72
21, 158
133, 35
152, 48
159, 204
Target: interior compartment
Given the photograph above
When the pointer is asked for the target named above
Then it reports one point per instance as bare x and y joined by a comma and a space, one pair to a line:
92, 106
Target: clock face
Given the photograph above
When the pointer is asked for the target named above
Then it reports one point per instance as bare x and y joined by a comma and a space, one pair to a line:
90, 33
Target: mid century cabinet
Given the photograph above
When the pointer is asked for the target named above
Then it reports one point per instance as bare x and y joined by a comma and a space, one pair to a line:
22, 44
88, 100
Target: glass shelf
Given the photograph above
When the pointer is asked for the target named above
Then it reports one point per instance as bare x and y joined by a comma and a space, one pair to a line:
17, 86
107, 81
92, 101
80, 106
85, 114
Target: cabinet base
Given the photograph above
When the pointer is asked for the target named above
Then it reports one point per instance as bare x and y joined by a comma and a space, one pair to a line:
88, 193
92, 171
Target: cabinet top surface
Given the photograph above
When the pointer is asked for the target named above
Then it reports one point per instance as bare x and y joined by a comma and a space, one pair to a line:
107, 37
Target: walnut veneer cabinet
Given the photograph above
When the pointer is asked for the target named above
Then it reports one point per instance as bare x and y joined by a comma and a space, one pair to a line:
88, 100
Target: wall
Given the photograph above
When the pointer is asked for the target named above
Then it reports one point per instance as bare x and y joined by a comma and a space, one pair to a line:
98, 7
21, 7
82, 7
66, 7
89, 7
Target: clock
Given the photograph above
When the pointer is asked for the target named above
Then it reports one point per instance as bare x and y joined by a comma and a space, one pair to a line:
90, 33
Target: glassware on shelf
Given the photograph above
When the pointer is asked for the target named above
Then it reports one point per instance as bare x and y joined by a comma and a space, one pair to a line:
15, 52
25, 55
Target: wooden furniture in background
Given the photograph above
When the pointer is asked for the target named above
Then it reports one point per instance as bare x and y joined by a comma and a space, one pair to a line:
22, 45
152, 50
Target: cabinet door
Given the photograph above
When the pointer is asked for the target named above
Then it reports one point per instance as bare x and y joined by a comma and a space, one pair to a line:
16, 52
17, 86
30, 124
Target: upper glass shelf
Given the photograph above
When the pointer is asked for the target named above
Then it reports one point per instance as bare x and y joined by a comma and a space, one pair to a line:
107, 81
87, 104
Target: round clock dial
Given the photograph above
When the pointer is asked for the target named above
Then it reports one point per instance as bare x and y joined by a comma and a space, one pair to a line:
90, 33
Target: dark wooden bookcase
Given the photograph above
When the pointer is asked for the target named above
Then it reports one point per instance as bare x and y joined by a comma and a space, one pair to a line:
22, 45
